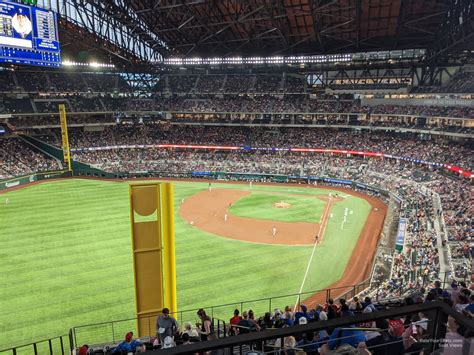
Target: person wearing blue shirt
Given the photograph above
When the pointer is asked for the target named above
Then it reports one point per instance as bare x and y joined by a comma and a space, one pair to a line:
303, 313
129, 345
470, 307
342, 336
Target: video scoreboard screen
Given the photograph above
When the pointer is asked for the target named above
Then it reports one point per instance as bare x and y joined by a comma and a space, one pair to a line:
28, 35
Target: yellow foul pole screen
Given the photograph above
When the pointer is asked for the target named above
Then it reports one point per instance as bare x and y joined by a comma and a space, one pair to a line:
152, 227
64, 136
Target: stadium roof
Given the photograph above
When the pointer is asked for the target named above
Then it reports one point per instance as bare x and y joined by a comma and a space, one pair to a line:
270, 27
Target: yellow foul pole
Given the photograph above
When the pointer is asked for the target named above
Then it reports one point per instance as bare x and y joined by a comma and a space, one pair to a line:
64, 136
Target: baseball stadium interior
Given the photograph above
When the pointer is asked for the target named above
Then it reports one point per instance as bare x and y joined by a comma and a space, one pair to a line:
364, 100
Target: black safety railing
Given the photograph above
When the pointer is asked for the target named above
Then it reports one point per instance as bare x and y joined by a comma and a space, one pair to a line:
273, 339
114, 331
61, 345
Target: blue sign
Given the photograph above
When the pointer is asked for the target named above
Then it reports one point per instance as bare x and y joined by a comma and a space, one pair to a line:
402, 227
28, 35
201, 173
338, 181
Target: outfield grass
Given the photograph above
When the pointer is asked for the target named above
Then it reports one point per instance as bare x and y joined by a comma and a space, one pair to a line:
260, 205
66, 258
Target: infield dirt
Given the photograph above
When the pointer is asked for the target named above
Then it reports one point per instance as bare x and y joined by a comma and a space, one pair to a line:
207, 210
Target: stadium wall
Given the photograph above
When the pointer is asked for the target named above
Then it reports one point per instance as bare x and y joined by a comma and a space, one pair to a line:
31, 178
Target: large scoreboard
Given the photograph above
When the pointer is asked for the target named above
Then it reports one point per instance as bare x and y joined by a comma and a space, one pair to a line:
28, 35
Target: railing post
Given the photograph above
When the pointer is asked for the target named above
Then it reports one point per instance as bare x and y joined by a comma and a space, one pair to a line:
50, 347
35, 350
113, 333
62, 344
71, 340
149, 326
270, 305
74, 332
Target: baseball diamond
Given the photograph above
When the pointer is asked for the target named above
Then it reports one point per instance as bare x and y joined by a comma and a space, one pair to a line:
71, 215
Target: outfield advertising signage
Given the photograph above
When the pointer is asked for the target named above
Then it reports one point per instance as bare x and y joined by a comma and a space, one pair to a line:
402, 227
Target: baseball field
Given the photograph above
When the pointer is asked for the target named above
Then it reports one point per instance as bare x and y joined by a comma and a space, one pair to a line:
66, 249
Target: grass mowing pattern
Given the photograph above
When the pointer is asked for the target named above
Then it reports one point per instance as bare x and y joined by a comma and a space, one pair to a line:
259, 205
66, 259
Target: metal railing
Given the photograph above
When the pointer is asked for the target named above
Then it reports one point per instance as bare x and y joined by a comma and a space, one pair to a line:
114, 331
436, 313
61, 345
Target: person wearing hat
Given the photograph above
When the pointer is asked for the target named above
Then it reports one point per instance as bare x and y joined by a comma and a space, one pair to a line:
302, 314
129, 345
83, 350
168, 342
166, 325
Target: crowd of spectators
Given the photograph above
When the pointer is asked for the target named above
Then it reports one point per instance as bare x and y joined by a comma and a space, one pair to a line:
407, 334
258, 103
18, 158
404, 145
461, 82
258, 93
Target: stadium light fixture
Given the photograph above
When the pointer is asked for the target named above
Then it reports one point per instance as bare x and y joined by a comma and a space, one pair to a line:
68, 63
301, 59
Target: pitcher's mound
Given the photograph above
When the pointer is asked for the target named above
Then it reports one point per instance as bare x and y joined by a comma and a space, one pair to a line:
281, 204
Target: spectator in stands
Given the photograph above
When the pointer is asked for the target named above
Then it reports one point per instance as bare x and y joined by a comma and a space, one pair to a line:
309, 343
463, 303
345, 337
84, 350
168, 342
303, 313
369, 305
331, 309
233, 321
288, 318
323, 334
266, 321
243, 326
383, 341
206, 327
129, 345
253, 323
470, 307
453, 344
190, 331
278, 321
355, 305
437, 290
166, 325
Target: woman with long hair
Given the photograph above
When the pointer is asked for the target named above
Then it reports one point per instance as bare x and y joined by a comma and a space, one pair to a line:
206, 328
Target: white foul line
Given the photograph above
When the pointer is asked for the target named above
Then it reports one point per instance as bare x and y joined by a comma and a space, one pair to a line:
316, 242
